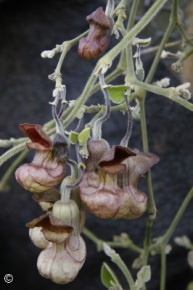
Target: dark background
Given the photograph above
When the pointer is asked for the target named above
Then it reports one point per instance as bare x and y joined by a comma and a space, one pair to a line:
26, 29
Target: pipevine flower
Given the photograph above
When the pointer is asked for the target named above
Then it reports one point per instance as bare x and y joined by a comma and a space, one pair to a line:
59, 235
109, 186
98, 37
48, 166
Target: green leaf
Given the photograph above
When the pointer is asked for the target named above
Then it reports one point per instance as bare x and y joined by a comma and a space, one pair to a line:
83, 136
108, 277
117, 93
73, 137
143, 276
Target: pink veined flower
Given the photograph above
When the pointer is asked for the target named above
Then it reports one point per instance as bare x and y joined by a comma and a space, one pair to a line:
58, 233
109, 186
47, 168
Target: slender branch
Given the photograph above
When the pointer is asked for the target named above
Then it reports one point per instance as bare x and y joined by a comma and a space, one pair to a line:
163, 268
119, 262
169, 93
6, 177
99, 243
177, 217
11, 152
107, 59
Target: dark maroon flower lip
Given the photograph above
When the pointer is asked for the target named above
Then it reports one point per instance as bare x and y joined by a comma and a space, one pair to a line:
48, 222
99, 17
111, 162
40, 140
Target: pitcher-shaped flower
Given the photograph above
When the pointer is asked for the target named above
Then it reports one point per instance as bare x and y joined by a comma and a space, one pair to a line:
109, 186
61, 262
47, 168
65, 252
98, 37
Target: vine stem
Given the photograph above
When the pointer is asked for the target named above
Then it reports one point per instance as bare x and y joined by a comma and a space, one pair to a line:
119, 262
107, 59
99, 243
177, 217
6, 177
170, 93
163, 268
11, 152
162, 242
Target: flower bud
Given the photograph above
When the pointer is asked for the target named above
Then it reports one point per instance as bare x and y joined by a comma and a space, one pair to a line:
98, 37
68, 212
61, 262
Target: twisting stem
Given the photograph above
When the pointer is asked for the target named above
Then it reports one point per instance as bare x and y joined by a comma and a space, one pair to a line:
59, 125
98, 124
124, 142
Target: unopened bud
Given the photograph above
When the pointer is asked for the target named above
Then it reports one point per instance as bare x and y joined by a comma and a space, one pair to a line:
67, 211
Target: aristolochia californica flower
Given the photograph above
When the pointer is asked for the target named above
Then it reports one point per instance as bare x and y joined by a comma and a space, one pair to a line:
61, 262
109, 186
47, 168
98, 37
65, 253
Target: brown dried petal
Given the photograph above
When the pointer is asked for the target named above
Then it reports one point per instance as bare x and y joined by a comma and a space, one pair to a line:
99, 17
40, 140
98, 37
54, 229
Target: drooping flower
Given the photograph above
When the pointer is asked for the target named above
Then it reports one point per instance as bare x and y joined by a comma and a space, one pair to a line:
48, 166
64, 254
109, 186
98, 37
61, 262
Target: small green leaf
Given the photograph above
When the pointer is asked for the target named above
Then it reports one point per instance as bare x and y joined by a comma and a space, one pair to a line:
73, 137
83, 136
143, 276
117, 93
108, 277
